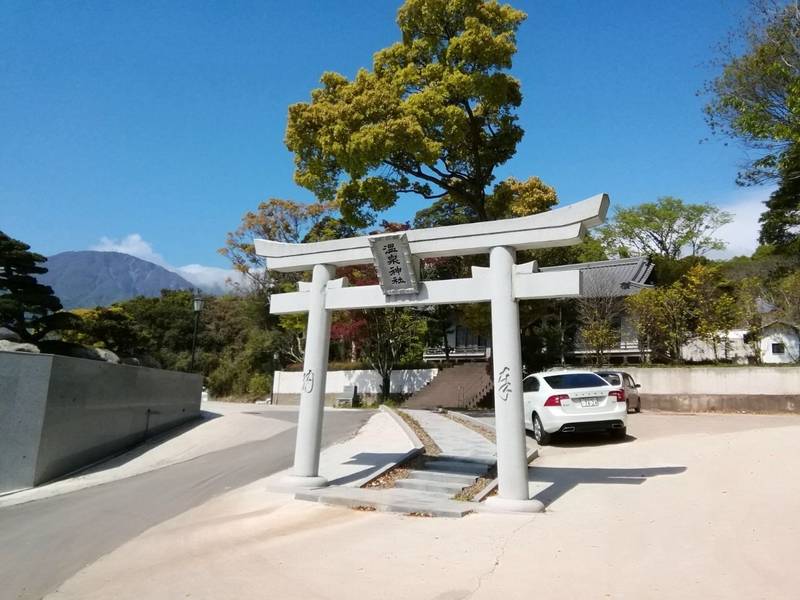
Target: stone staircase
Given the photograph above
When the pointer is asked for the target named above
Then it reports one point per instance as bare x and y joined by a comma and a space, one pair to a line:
446, 475
461, 386
428, 489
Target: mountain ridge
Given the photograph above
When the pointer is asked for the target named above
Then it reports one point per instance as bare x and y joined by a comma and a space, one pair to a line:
89, 278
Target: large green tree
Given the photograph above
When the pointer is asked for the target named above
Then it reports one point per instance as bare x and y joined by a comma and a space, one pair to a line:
756, 97
109, 327
756, 100
668, 228
780, 223
392, 336
27, 307
278, 220
434, 117
700, 305
166, 322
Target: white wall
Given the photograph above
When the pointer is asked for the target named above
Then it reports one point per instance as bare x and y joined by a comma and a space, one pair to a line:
404, 381
717, 380
699, 350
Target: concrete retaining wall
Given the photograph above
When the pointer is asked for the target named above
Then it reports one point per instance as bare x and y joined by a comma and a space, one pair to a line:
286, 385
754, 403
764, 381
719, 389
58, 413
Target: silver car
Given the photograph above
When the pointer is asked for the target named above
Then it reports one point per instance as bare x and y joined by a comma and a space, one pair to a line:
628, 386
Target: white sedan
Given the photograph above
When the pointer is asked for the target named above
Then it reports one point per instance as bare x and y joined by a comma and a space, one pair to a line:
572, 401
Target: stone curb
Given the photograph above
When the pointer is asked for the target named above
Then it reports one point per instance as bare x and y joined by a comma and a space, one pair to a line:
406, 502
416, 450
415, 441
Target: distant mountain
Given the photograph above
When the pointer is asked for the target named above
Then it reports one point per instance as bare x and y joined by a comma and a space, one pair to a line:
88, 278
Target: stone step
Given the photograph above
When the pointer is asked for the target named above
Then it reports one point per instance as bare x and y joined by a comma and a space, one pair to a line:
482, 460
456, 466
443, 477
390, 500
426, 485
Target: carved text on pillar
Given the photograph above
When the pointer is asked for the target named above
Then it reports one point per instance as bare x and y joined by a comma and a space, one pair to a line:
308, 381
504, 383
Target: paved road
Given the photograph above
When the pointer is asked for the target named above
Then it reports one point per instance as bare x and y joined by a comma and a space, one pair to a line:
43, 543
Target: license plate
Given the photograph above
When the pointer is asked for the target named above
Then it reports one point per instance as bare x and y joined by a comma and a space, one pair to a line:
589, 403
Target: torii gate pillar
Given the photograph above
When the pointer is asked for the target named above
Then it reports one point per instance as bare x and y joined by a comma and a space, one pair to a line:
512, 463
312, 397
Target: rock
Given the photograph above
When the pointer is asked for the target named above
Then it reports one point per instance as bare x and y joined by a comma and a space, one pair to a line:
140, 361
78, 351
7, 334
107, 355
7, 346
144, 360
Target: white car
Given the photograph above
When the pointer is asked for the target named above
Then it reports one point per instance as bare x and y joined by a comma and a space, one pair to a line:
572, 401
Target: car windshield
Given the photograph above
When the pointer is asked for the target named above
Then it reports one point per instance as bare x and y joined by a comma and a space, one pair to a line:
611, 378
574, 380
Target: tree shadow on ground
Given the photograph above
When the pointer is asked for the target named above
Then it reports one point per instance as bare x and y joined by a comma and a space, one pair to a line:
565, 479
374, 462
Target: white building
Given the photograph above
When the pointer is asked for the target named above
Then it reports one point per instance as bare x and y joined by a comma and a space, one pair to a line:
779, 343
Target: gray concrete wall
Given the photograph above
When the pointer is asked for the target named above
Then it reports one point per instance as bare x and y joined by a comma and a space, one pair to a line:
733, 381
59, 413
753, 403
24, 381
719, 389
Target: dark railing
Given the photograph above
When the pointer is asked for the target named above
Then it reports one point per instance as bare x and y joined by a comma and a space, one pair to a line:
625, 345
437, 352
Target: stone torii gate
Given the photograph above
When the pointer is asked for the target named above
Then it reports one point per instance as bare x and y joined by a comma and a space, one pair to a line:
396, 257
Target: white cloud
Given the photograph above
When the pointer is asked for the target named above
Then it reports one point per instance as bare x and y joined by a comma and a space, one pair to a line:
741, 235
213, 280
132, 244
210, 279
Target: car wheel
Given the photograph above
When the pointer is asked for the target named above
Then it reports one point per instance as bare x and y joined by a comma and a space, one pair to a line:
540, 435
638, 406
619, 434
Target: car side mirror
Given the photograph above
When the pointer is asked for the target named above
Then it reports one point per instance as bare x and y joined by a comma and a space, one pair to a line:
638, 385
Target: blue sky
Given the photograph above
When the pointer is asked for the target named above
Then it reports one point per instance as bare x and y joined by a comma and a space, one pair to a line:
151, 127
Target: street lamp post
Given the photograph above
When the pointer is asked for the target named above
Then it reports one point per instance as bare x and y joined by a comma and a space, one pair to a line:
197, 306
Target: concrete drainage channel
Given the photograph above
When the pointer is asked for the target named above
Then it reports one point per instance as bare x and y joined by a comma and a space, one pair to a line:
425, 485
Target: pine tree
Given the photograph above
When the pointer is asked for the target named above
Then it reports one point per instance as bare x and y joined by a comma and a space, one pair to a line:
26, 306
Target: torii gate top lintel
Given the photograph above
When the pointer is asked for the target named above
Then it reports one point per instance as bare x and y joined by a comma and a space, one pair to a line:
560, 227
